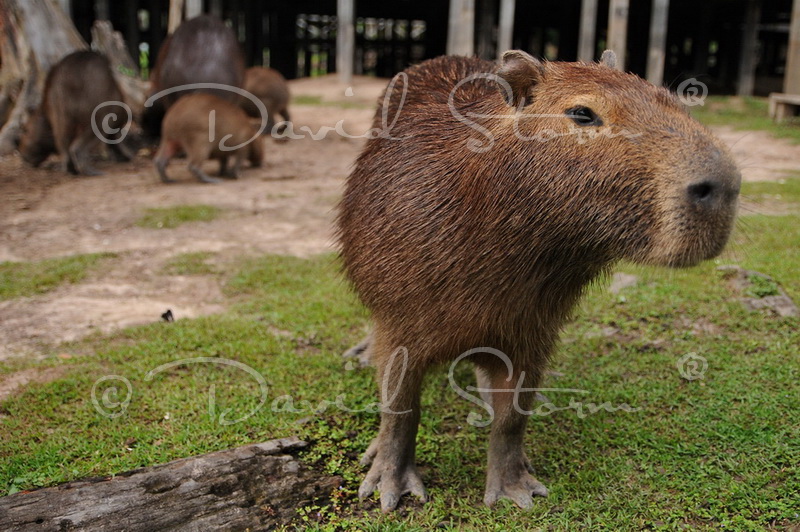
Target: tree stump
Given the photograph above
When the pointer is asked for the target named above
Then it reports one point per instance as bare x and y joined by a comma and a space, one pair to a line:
254, 487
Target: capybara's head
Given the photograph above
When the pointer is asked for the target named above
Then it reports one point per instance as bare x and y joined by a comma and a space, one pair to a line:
37, 141
630, 171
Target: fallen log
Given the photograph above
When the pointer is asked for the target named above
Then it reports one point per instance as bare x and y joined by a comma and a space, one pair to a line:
254, 487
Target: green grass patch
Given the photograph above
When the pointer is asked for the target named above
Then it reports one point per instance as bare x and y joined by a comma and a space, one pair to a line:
172, 217
21, 279
785, 190
193, 263
717, 452
308, 99
748, 113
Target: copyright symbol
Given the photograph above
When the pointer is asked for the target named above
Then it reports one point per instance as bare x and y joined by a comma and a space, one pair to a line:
106, 130
110, 404
692, 366
692, 92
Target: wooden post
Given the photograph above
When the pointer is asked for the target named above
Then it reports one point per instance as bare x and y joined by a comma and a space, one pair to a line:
215, 8
461, 28
194, 8
101, 10
658, 42
505, 32
747, 61
618, 29
791, 79
345, 40
486, 25
175, 15
586, 45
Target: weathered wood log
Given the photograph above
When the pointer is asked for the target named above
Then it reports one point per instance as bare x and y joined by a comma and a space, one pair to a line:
254, 487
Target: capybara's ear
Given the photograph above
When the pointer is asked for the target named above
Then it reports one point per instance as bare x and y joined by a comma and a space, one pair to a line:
521, 71
609, 59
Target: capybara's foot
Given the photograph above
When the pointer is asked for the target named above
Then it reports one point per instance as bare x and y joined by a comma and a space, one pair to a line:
517, 485
370, 454
392, 480
202, 176
361, 352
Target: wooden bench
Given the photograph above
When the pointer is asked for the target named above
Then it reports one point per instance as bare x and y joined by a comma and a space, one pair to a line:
782, 106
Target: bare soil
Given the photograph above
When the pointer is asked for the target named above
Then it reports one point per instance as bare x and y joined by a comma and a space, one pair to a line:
285, 207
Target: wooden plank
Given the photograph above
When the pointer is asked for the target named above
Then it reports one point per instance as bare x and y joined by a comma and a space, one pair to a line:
461, 28
618, 30
586, 40
747, 61
345, 40
256, 486
505, 30
791, 80
657, 48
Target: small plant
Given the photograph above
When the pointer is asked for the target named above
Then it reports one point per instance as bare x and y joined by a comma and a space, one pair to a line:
172, 217
762, 286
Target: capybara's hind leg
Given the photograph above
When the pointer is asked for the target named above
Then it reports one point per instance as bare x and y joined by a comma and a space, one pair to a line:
393, 471
79, 151
121, 152
166, 151
282, 128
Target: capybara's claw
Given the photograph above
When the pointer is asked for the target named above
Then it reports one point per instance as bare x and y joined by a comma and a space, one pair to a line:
392, 483
370, 453
520, 491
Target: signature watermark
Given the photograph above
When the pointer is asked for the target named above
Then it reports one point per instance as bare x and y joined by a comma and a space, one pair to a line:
112, 395
550, 126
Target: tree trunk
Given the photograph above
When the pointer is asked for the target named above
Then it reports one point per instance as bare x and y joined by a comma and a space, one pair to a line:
111, 44
34, 35
254, 487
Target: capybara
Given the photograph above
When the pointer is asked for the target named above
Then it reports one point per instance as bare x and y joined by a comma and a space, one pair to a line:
202, 50
186, 129
269, 86
471, 225
75, 87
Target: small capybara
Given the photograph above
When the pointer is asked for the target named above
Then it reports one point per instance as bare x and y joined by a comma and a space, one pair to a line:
186, 129
269, 86
75, 86
471, 225
202, 50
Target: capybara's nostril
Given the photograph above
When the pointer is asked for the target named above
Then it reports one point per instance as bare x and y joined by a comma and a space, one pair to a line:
702, 192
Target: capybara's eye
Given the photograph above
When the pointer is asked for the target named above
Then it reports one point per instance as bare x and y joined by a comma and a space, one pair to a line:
583, 116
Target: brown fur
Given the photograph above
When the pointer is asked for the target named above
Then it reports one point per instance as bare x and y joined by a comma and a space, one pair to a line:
186, 129
74, 87
202, 50
453, 249
269, 86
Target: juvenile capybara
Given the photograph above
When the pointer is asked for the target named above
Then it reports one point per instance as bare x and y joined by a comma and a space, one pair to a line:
269, 86
186, 129
202, 50
75, 86
473, 222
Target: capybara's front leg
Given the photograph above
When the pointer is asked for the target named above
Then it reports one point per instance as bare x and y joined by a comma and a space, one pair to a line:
392, 454
79, 151
508, 474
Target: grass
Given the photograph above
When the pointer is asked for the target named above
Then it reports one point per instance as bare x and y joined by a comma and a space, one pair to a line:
309, 99
193, 263
715, 452
748, 113
172, 217
21, 279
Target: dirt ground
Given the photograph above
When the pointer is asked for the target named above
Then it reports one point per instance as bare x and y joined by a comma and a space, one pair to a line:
285, 207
